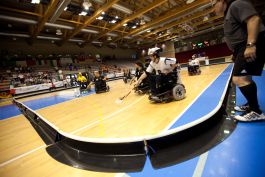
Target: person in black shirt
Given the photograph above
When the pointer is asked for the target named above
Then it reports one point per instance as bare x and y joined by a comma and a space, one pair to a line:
127, 75
144, 85
100, 83
245, 36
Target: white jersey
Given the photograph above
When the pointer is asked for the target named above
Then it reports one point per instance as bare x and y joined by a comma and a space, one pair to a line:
163, 66
194, 62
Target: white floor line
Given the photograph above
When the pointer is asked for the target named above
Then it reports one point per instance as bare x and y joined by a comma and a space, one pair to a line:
22, 155
107, 117
202, 160
200, 165
78, 130
122, 175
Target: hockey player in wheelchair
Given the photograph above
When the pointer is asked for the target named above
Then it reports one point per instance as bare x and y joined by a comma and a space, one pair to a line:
165, 84
83, 83
127, 76
144, 86
194, 66
100, 83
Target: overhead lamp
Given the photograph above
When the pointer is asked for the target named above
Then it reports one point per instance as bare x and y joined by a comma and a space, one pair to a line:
205, 18
189, 1
125, 24
59, 32
148, 31
83, 13
134, 26
35, 1
86, 4
113, 21
109, 38
65, 9
100, 18
142, 22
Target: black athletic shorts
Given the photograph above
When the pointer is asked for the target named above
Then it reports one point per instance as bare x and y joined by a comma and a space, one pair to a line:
244, 68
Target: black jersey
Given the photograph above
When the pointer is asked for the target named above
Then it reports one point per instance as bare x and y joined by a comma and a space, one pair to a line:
99, 81
139, 72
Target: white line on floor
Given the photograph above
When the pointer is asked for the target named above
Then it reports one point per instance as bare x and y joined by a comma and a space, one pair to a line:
78, 130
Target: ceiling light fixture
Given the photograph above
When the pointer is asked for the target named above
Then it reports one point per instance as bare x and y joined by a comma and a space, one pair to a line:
59, 32
113, 21
83, 13
100, 18
86, 4
142, 22
109, 38
189, 1
35, 1
206, 18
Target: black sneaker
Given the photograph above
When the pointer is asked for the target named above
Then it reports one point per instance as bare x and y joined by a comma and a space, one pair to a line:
250, 116
242, 108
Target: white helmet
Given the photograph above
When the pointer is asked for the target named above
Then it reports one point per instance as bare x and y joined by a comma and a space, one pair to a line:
151, 51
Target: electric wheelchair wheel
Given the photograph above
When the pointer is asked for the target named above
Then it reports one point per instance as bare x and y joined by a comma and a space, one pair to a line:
107, 88
125, 80
179, 92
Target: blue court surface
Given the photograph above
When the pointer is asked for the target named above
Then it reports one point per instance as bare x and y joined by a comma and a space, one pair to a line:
11, 110
242, 154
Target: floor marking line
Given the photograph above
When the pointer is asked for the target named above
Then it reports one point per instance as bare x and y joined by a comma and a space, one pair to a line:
107, 117
78, 130
200, 165
22, 155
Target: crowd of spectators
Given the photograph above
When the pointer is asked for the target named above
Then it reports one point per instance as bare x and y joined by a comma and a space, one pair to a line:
25, 76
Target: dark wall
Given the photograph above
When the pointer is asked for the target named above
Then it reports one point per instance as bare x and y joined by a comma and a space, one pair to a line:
215, 51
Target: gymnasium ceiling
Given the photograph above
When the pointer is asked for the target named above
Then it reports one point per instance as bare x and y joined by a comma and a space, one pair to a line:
122, 23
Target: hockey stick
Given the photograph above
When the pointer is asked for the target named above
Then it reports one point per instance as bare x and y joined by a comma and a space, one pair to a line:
120, 100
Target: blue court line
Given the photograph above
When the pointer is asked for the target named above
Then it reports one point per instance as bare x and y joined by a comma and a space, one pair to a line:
243, 153
11, 110
186, 168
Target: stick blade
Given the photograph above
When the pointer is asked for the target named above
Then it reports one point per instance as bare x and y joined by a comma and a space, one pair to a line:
119, 101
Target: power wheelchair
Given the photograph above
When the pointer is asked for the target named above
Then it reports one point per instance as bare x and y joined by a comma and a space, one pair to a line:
166, 88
